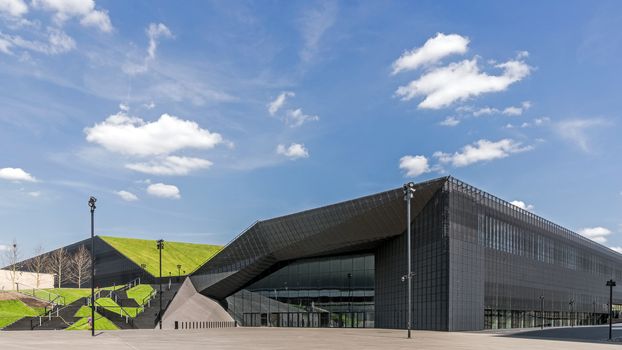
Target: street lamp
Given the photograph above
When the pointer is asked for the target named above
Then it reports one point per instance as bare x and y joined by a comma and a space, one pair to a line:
610, 284
541, 311
178, 272
571, 303
92, 201
160, 246
409, 191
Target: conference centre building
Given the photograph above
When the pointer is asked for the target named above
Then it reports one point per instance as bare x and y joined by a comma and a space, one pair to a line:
478, 262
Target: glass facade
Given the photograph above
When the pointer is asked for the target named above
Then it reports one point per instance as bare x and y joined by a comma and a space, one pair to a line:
333, 291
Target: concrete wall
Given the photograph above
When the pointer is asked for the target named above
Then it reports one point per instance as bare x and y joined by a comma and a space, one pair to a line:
25, 280
191, 306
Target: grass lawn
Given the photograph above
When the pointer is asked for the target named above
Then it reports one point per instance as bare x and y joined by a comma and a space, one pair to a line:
101, 323
13, 310
110, 305
140, 293
141, 251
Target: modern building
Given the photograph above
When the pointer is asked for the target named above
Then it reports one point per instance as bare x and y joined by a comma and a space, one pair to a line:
478, 261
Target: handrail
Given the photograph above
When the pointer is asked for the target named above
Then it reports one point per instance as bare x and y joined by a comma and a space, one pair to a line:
148, 297
49, 294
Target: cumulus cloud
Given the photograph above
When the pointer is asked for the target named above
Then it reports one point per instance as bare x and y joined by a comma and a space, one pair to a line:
295, 118
15, 8
450, 121
171, 165
294, 151
414, 165
523, 205
127, 196
83, 9
279, 101
460, 81
16, 174
58, 42
133, 136
482, 150
616, 249
597, 234
432, 51
577, 130
164, 191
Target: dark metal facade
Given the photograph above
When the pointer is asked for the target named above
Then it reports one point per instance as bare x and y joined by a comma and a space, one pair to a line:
479, 262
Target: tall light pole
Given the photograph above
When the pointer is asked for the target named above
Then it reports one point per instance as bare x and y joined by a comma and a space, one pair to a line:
610, 284
160, 247
409, 191
571, 303
178, 272
541, 311
92, 201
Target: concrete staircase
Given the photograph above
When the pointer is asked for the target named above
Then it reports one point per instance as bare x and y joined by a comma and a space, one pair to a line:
149, 318
60, 317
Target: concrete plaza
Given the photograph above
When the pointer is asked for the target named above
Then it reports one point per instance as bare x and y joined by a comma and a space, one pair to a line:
283, 338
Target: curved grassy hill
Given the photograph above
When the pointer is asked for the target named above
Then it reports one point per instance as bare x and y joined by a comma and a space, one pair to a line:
143, 251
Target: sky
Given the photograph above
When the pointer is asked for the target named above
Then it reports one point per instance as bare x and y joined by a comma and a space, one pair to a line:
190, 121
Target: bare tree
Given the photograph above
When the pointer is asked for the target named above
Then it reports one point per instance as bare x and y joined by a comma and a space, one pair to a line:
37, 264
80, 266
57, 263
11, 257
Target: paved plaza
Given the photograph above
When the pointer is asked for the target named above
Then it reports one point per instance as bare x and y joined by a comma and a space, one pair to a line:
286, 338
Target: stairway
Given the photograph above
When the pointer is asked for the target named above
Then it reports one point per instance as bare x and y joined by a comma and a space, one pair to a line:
148, 318
64, 319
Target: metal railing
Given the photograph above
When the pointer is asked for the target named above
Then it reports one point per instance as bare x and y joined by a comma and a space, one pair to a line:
41, 294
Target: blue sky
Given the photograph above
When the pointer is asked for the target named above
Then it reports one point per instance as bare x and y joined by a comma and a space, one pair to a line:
189, 122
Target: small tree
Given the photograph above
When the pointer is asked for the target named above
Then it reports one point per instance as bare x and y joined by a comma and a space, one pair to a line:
11, 257
80, 265
36, 264
57, 263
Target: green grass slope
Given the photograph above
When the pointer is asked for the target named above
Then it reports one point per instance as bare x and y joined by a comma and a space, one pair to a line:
142, 251
140, 293
13, 310
101, 323
110, 305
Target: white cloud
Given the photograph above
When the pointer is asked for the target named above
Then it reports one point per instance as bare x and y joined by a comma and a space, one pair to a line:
163, 191
461, 81
57, 42
516, 111
34, 194
485, 111
171, 165
523, 205
155, 32
278, 102
16, 174
294, 151
482, 150
597, 234
314, 24
131, 135
616, 249
15, 8
450, 121
414, 165
576, 131
296, 118
127, 196
83, 9
432, 51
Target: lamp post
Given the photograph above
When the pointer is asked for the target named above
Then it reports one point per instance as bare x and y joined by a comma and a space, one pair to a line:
541, 311
178, 272
409, 191
571, 303
160, 247
611, 283
593, 312
92, 201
